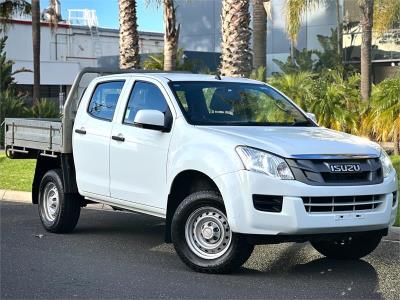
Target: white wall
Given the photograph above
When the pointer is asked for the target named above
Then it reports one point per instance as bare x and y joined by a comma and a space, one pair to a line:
66, 50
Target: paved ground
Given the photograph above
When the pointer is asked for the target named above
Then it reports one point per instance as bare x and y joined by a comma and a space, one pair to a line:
122, 255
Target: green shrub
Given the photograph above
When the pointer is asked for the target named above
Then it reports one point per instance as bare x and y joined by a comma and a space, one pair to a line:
45, 109
156, 62
259, 74
337, 103
385, 111
11, 106
297, 86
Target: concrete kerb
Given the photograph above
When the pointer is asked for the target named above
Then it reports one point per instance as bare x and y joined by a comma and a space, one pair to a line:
15, 196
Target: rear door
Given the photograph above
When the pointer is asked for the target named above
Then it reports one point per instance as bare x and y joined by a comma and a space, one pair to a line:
138, 160
91, 137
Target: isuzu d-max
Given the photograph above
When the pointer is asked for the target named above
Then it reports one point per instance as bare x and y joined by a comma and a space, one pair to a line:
228, 163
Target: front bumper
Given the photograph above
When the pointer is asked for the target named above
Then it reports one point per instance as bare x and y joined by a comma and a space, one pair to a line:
237, 189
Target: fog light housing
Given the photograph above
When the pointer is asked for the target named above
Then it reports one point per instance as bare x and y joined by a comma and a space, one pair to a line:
268, 203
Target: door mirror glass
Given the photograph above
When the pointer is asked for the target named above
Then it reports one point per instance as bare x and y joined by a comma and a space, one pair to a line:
150, 119
312, 117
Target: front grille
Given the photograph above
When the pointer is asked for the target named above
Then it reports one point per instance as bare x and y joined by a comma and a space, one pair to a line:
319, 172
342, 203
394, 199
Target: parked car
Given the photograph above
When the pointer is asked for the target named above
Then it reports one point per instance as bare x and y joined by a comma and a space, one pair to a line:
227, 162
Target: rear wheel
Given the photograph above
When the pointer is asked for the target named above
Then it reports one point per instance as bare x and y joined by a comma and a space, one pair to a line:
202, 236
352, 247
58, 212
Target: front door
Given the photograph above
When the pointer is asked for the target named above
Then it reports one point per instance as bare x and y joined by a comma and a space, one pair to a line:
138, 158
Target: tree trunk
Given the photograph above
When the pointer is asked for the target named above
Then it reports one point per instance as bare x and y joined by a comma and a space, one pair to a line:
171, 35
292, 53
367, 7
128, 35
259, 35
36, 49
396, 141
235, 50
339, 30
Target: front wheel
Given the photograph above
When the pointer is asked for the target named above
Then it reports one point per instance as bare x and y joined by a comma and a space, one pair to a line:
58, 212
202, 236
352, 247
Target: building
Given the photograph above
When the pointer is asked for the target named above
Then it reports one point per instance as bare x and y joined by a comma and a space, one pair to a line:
200, 31
75, 44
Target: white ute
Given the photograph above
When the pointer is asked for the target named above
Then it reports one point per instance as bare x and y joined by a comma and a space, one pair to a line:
228, 163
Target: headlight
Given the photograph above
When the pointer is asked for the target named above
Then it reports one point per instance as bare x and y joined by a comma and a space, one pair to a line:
387, 166
263, 162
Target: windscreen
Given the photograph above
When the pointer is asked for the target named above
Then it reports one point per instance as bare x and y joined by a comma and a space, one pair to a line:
242, 104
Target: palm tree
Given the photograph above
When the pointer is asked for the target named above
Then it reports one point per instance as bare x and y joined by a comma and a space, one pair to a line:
339, 30
52, 14
366, 22
259, 35
128, 35
385, 107
171, 35
386, 13
294, 11
10, 7
235, 51
36, 49
380, 16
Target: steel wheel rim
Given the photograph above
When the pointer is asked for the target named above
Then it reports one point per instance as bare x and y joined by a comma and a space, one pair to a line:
207, 233
50, 201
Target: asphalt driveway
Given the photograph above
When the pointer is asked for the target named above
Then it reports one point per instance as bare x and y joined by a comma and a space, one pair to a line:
122, 255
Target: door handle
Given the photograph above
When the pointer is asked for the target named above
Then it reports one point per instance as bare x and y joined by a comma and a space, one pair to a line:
118, 138
80, 131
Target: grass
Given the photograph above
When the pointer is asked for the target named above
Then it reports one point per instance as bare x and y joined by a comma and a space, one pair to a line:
396, 164
17, 175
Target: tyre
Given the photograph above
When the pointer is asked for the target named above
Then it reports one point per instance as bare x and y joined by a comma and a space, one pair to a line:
58, 212
202, 237
353, 247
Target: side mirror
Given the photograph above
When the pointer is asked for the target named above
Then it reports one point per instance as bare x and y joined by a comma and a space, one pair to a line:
311, 116
150, 119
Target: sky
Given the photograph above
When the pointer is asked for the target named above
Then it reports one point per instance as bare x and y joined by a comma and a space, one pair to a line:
149, 16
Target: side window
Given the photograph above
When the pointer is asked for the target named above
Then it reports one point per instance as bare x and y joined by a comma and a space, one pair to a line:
104, 99
144, 95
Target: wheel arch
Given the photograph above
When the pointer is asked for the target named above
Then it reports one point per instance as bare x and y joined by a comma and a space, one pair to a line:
44, 164
183, 184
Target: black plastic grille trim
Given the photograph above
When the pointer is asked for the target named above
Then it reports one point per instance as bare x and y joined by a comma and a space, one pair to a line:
268, 203
342, 203
318, 172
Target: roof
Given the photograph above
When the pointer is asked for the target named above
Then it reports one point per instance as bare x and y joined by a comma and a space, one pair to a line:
183, 77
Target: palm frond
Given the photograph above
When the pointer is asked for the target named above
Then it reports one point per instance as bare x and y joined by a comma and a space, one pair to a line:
386, 13
294, 11
10, 7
